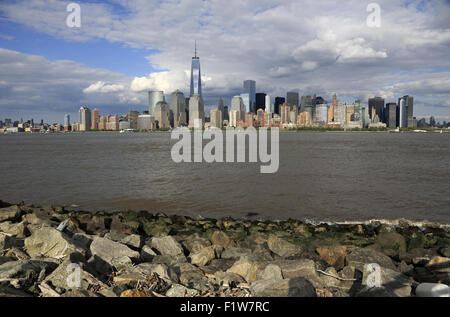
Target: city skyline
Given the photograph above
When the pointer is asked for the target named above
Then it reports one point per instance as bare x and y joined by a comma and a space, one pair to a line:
408, 54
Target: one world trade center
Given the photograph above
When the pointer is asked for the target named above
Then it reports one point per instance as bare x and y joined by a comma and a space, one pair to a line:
196, 79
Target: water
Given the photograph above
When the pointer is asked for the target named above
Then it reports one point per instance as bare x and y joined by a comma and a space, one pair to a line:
322, 176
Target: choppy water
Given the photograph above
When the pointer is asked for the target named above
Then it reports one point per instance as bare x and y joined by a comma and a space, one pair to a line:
322, 176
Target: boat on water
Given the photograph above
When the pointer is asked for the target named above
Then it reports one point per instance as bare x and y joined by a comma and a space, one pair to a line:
420, 131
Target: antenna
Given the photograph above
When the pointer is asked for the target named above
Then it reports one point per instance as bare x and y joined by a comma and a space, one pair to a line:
195, 48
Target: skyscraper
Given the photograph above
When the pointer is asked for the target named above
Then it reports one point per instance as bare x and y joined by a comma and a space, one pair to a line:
278, 102
153, 98
221, 108
391, 114
177, 109
162, 114
376, 108
250, 89
133, 116
247, 102
237, 103
260, 101
95, 118
84, 115
402, 115
196, 77
268, 104
292, 99
196, 111
67, 120
216, 118
409, 105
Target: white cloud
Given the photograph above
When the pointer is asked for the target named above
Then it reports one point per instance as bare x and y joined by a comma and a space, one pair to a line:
102, 87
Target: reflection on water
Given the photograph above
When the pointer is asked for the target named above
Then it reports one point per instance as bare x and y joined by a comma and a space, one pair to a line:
322, 176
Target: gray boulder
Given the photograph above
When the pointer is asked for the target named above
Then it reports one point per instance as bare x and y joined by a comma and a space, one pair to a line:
166, 246
360, 257
49, 242
10, 213
282, 247
108, 250
294, 287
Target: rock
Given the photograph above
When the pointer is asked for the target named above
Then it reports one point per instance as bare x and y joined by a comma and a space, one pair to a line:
107, 250
113, 291
18, 230
115, 236
282, 247
134, 293
79, 293
418, 256
217, 265
7, 242
235, 253
169, 259
300, 268
96, 225
245, 268
440, 268
17, 254
127, 227
228, 278
222, 239
10, 213
4, 259
122, 262
329, 281
393, 281
166, 246
82, 240
178, 290
359, 257
191, 276
391, 240
203, 257
162, 270
271, 271
6, 291
133, 240
333, 255
29, 269
50, 242
147, 254
65, 277
295, 287
194, 243
445, 251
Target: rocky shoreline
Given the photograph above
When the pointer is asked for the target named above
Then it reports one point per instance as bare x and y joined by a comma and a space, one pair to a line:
50, 251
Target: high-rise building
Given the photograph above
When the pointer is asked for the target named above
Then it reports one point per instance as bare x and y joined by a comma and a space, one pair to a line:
409, 105
177, 109
133, 116
285, 113
221, 107
226, 115
260, 101
403, 114
196, 76
162, 113
321, 114
391, 114
292, 98
305, 102
278, 102
247, 102
95, 118
340, 114
250, 89
153, 98
237, 103
67, 120
146, 122
84, 115
268, 105
196, 111
235, 117
102, 122
113, 123
216, 118
376, 108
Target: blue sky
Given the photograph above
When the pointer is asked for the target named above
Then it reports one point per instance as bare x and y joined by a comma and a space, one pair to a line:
125, 48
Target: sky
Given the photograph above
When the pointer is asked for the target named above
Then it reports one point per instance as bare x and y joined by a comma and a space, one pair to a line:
124, 48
